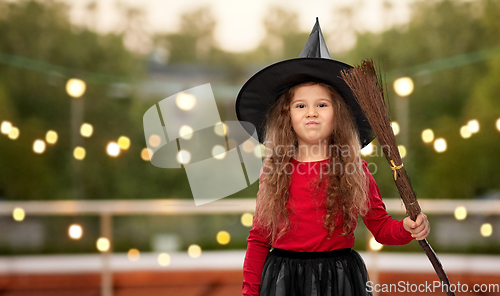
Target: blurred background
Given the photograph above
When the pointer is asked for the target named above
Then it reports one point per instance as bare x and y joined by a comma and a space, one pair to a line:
84, 212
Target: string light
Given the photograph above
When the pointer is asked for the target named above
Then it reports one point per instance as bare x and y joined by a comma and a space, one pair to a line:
460, 213
14, 133
75, 231
124, 142
154, 140
145, 152
440, 145
395, 128
486, 230
79, 153
185, 101
402, 151
194, 251
223, 237
183, 156
133, 255
75, 87
86, 130
403, 86
51, 137
427, 136
247, 219
375, 245
218, 152
473, 126
186, 132
113, 149
18, 214
465, 132
368, 149
6, 127
248, 146
164, 259
103, 244
220, 129
39, 146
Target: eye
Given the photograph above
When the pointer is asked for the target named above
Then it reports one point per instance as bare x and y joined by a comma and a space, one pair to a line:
322, 105
300, 106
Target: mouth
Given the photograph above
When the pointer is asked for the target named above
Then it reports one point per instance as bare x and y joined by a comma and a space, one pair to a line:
312, 123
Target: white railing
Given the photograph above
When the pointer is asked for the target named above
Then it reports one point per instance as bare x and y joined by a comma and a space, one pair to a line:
108, 208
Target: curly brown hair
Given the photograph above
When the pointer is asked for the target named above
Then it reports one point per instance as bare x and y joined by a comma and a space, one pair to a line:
347, 191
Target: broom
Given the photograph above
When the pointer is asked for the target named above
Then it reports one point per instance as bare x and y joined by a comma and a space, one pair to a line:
368, 91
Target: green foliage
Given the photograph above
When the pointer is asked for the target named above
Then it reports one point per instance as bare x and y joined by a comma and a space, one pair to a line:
448, 92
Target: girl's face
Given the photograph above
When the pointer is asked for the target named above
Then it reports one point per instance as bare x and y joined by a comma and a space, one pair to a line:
311, 112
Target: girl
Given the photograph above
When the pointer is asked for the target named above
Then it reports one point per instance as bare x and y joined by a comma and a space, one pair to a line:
313, 183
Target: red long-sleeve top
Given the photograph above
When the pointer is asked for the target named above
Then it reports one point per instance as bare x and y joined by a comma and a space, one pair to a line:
307, 210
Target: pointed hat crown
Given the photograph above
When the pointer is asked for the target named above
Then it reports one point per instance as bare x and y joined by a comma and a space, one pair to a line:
264, 88
315, 46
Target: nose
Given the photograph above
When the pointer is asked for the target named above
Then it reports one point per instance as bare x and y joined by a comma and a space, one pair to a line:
312, 112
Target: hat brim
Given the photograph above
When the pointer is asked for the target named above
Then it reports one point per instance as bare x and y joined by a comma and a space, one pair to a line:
263, 89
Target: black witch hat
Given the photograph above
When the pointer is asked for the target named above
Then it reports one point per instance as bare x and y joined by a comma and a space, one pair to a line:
262, 90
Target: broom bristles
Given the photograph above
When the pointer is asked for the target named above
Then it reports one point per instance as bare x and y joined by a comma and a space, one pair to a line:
368, 91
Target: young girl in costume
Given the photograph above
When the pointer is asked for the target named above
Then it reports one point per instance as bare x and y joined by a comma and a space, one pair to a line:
313, 183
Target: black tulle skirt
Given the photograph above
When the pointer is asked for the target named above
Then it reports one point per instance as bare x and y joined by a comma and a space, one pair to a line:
334, 273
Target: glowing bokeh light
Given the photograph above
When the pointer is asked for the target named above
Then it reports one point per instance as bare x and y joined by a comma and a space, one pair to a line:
248, 146
183, 156
18, 214
427, 136
154, 140
473, 126
194, 251
75, 87
368, 149
75, 231
185, 101
39, 146
247, 219
402, 151
86, 130
460, 213
440, 145
145, 154
375, 245
5, 127
223, 237
164, 259
79, 153
486, 230
51, 137
465, 132
14, 133
220, 129
103, 244
218, 152
133, 255
403, 86
186, 132
113, 149
123, 142
395, 128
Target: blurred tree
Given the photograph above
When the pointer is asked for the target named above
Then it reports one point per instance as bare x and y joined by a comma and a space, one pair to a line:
194, 42
40, 49
443, 48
